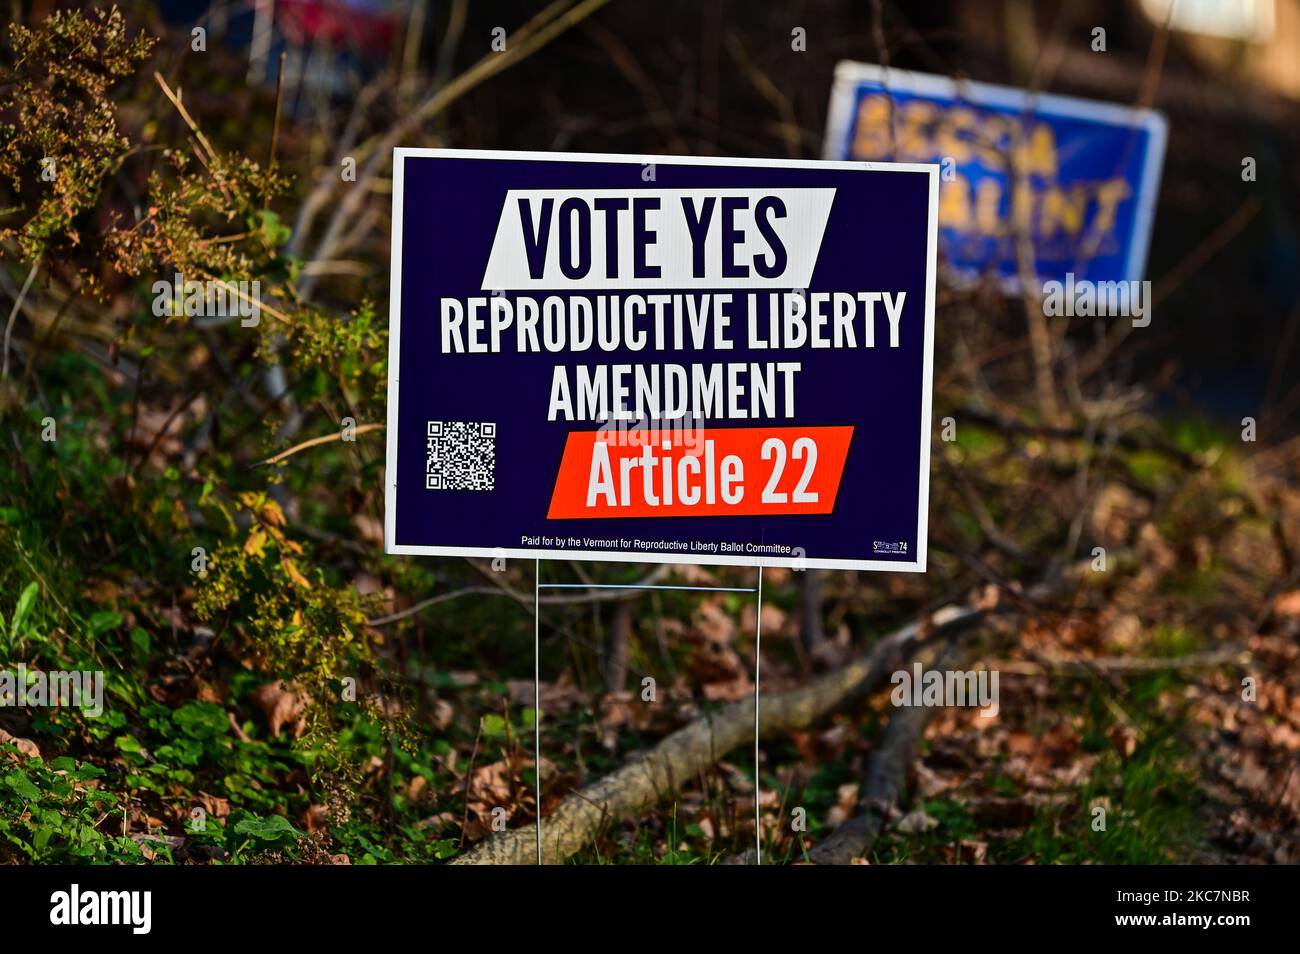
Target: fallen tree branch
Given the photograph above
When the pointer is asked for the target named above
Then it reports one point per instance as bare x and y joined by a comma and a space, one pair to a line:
691, 750
886, 777
13, 315
1129, 440
1122, 666
316, 442
694, 748
889, 765
621, 594
887, 773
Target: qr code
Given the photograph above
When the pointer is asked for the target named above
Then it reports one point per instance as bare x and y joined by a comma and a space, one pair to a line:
461, 455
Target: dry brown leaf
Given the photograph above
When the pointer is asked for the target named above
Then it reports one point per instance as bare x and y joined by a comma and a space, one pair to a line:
1288, 604
714, 623
282, 704
214, 806
256, 541
439, 821
294, 573
1116, 511
774, 619
443, 714
316, 817
915, 822
1124, 738
490, 787
846, 805
730, 690
25, 746
370, 529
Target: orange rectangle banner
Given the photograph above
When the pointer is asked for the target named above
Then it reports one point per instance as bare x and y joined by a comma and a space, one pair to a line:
704, 472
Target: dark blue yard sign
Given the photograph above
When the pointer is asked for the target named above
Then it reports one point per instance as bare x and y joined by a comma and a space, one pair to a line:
1073, 181
644, 358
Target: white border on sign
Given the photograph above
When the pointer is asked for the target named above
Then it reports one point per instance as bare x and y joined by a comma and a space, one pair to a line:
848, 74
400, 155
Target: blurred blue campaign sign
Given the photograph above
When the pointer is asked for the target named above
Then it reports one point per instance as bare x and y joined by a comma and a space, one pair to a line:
1027, 180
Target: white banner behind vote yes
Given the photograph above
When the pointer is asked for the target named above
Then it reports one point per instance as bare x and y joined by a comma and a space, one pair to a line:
669, 238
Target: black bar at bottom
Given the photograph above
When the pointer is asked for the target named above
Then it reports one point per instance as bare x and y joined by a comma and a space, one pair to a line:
234, 904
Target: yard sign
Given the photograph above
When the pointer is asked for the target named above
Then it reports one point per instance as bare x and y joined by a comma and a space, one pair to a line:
1075, 177
655, 359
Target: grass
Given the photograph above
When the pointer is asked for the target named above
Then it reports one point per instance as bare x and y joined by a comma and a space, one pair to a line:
1150, 795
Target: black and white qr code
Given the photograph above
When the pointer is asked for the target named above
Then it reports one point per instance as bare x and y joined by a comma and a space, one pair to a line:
461, 455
